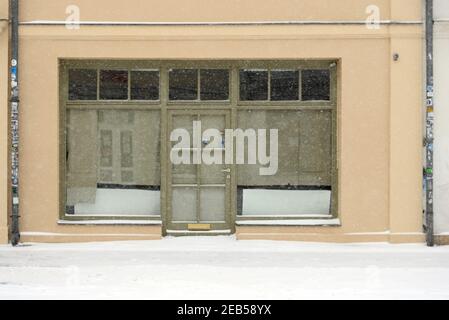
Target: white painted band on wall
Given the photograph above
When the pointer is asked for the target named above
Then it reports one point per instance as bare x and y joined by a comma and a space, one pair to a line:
216, 23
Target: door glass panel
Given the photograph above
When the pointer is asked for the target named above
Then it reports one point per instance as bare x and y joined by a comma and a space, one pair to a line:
184, 122
213, 149
212, 204
184, 204
213, 174
184, 173
213, 122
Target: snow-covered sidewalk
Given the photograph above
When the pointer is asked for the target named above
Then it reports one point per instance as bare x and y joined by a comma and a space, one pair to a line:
223, 268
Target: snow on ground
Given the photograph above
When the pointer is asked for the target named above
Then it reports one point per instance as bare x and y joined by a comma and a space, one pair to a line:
223, 268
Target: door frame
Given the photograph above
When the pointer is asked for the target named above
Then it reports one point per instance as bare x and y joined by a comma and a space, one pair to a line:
169, 225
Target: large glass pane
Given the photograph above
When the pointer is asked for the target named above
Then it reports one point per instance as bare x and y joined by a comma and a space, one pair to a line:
253, 85
284, 85
184, 204
144, 85
183, 84
301, 159
82, 84
304, 150
113, 85
315, 85
214, 84
113, 162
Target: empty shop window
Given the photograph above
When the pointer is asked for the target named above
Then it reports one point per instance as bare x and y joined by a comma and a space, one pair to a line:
113, 162
303, 182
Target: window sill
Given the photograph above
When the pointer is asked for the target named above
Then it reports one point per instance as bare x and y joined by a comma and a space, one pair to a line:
112, 222
291, 222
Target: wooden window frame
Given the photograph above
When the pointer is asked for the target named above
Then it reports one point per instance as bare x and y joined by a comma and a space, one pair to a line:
164, 104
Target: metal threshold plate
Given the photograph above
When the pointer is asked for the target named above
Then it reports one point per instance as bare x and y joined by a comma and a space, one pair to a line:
199, 226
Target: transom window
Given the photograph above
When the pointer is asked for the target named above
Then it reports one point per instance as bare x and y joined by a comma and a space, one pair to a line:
284, 85
107, 84
200, 84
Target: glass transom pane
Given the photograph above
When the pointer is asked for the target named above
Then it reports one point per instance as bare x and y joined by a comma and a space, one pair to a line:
113, 85
315, 85
144, 85
82, 84
214, 84
183, 84
284, 85
253, 85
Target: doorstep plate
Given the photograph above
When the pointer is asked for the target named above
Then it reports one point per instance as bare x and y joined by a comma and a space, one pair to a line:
199, 226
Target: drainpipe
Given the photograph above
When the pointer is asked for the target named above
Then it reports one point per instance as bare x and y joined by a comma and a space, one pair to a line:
14, 100
429, 139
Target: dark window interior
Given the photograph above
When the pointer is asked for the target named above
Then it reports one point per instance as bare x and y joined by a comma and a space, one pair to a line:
144, 85
284, 85
315, 85
253, 85
183, 84
214, 84
113, 85
82, 84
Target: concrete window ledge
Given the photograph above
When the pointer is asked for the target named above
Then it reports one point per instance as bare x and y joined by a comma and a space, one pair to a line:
112, 222
296, 222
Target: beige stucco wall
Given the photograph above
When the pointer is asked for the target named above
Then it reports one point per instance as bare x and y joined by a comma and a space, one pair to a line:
229, 10
4, 121
379, 126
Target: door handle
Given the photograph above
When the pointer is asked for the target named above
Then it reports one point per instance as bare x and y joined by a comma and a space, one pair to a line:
228, 170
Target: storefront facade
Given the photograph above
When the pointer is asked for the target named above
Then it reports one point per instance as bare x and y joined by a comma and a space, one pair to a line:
101, 103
